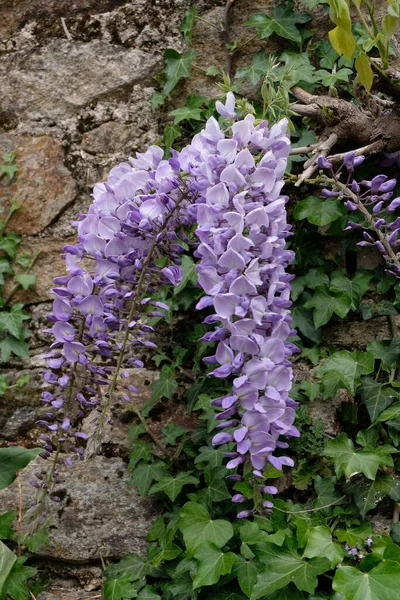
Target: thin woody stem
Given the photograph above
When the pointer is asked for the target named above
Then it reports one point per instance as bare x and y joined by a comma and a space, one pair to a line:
136, 299
226, 36
311, 165
148, 430
368, 216
372, 148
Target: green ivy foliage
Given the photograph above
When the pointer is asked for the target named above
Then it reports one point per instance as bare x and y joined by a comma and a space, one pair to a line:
318, 541
15, 270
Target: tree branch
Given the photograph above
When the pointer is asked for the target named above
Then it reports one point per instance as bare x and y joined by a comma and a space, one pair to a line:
226, 36
372, 148
311, 165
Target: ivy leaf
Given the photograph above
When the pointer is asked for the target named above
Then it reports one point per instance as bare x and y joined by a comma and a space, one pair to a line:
167, 551
5, 268
303, 322
37, 539
354, 288
187, 24
26, 280
315, 279
346, 369
185, 113
288, 593
387, 352
367, 495
390, 414
215, 490
228, 596
285, 567
197, 527
172, 486
376, 396
257, 69
325, 304
7, 560
144, 475
181, 588
116, 588
319, 211
383, 308
11, 345
328, 56
148, 593
165, 385
9, 244
141, 451
177, 66
11, 322
15, 586
212, 456
319, 543
367, 437
283, 22
263, 24
131, 566
246, 572
381, 583
301, 68
171, 133
172, 432
355, 536
6, 521
9, 170
12, 460
212, 563
157, 99
348, 461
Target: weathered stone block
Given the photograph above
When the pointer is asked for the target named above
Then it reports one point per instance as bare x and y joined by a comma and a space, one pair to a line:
98, 516
43, 187
56, 80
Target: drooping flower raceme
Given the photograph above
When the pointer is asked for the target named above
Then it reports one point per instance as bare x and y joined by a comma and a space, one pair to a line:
99, 312
242, 228
129, 245
373, 200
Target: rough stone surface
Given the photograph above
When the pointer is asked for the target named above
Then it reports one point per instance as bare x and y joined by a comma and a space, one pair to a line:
68, 594
19, 423
98, 516
360, 333
44, 186
109, 138
48, 264
15, 14
64, 76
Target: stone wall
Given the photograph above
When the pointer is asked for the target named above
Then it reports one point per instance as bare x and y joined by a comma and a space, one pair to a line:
76, 79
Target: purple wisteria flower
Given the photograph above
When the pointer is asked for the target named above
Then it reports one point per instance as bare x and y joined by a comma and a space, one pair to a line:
135, 222
373, 199
242, 228
130, 243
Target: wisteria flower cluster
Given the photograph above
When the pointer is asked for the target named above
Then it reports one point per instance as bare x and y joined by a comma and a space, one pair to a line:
242, 228
101, 306
373, 200
227, 187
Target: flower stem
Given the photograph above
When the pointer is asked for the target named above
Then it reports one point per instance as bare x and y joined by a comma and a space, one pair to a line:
132, 311
368, 217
